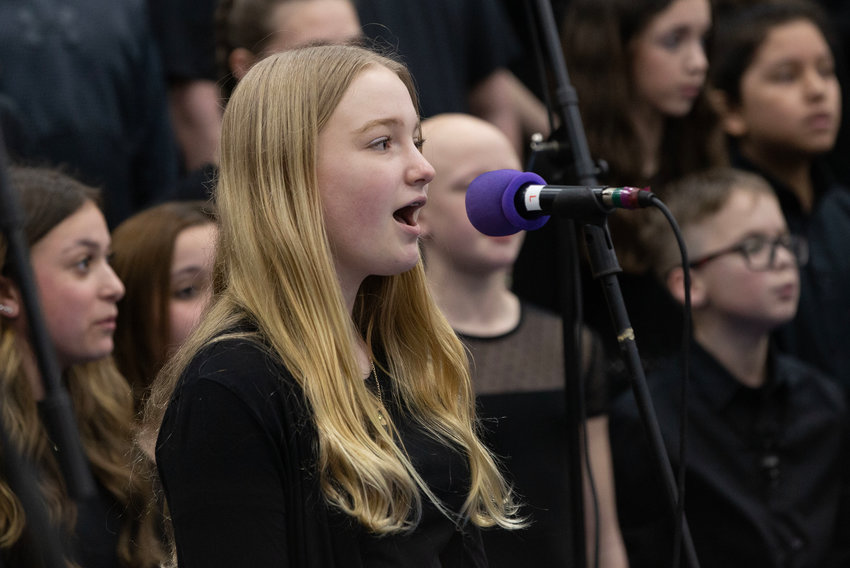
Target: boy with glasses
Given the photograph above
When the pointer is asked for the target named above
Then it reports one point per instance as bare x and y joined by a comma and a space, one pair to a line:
766, 483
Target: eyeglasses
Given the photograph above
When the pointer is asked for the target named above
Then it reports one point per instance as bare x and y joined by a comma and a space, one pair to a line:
759, 251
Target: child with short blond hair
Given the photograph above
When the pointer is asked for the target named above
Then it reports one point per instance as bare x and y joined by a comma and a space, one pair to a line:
766, 432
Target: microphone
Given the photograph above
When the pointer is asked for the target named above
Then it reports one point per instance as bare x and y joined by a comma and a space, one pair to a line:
504, 202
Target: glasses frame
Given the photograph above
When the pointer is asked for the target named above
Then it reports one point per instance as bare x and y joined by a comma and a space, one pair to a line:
795, 244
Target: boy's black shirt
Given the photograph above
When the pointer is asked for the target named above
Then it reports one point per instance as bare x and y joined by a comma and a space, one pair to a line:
767, 479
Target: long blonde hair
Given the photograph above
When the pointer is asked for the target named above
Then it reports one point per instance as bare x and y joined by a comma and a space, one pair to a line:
101, 398
274, 251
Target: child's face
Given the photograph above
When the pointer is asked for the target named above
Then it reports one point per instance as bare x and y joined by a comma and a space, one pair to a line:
191, 279
77, 287
372, 178
728, 288
790, 97
460, 149
668, 58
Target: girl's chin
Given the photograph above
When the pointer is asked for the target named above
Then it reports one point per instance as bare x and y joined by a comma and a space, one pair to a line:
679, 111
401, 265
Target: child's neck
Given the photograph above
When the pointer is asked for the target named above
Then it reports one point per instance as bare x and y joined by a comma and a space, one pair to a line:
791, 168
743, 355
475, 305
649, 124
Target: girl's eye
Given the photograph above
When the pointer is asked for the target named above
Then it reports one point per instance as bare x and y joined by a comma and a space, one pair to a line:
186, 293
84, 264
826, 69
671, 40
783, 75
381, 143
419, 143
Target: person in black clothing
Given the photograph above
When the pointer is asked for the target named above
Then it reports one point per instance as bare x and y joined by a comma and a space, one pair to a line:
767, 438
322, 414
87, 85
639, 69
517, 356
459, 52
183, 30
773, 75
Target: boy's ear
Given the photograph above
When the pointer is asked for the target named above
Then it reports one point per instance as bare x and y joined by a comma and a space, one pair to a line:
10, 298
730, 115
240, 60
676, 286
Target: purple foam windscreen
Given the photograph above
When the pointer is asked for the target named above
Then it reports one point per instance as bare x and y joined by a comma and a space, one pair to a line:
490, 202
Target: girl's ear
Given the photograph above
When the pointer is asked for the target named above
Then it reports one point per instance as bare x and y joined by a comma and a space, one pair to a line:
240, 60
10, 299
676, 286
730, 115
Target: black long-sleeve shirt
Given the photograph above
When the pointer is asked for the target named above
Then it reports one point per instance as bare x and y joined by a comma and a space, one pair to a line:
767, 476
237, 458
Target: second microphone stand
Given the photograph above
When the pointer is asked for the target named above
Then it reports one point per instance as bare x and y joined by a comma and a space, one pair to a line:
604, 268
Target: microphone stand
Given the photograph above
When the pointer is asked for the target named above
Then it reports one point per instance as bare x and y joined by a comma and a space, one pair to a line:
604, 267
22, 481
56, 410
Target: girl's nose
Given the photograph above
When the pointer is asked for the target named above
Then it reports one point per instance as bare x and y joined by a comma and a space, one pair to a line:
697, 59
421, 171
113, 288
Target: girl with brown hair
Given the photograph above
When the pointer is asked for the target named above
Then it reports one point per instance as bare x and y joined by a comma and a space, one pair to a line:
78, 291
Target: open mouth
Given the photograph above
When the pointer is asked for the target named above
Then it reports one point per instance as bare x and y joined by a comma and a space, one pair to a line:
407, 215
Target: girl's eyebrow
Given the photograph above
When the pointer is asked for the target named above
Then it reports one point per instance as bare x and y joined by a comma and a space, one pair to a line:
86, 243
191, 269
378, 122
